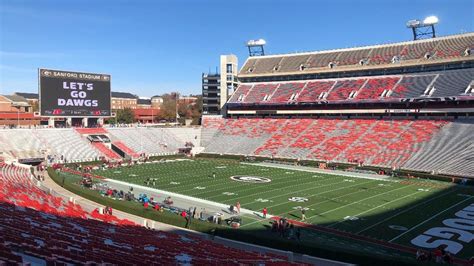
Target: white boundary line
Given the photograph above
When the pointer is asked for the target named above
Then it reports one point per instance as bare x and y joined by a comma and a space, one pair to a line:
409, 195
319, 193
322, 171
431, 218
212, 203
398, 213
355, 202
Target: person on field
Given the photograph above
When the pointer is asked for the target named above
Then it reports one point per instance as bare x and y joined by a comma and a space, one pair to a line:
237, 205
264, 212
303, 214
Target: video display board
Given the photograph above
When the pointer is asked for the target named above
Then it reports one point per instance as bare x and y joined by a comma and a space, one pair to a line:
74, 94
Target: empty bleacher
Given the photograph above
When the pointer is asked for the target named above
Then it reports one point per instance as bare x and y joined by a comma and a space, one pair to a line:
74, 147
412, 86
287, 92
21, 143
314, 91
450, 83
388, 143
450, 151
420, 51
375, 87
345, 88
38, 228
454, 82
261, 93
68, 143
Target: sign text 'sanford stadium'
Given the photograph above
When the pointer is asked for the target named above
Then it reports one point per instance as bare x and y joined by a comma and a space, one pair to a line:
65, 93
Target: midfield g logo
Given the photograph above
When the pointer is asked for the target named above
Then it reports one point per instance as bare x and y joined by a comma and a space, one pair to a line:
298, 199
251, 179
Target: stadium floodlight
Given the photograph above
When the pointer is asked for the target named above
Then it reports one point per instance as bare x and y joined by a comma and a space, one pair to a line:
413, 23
256, 42
423, 29
256, 47
431, 20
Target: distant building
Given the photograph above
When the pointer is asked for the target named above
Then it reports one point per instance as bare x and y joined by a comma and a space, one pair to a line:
16, 110
146, 115
32, 98
15, 103
122, 100
229, 82
188, 100
143, 103
211, 94
156, 101
218, 87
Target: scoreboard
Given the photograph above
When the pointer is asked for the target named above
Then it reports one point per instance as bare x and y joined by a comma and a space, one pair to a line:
74, 94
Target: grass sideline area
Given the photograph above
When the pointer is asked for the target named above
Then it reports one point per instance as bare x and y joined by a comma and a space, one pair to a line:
321, 248
327, 197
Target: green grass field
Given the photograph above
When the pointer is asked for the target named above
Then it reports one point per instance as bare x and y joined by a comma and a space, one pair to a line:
393, 210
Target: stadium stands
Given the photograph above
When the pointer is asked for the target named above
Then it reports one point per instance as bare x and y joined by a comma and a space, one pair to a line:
126, 149
106, 151
260, 93
389, 143
345, 89
313, 91
375, 88
39, 228
421, 52
286, 92
73, 147
68, 143
449, 152
451, 83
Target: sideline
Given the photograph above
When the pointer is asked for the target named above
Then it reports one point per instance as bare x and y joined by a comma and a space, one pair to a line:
323, 171
177, 197
295, 257
431, 218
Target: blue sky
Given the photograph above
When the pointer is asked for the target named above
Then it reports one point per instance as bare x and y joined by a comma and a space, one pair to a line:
153, 47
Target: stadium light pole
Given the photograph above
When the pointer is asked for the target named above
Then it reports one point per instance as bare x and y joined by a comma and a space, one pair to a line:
423, 29
256, 47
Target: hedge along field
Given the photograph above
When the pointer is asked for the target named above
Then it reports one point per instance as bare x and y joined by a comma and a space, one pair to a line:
395, 210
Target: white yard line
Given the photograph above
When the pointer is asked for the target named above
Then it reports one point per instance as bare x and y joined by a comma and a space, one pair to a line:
355, 202
398, 213
318, 202
158, 191
369, 210
323, 171
429, 219
319, 193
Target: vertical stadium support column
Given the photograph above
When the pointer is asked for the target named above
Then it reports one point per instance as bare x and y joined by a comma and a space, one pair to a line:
51, 122
68, 122
84, 122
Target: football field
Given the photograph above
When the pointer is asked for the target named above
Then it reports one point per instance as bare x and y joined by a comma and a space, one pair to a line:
399, 211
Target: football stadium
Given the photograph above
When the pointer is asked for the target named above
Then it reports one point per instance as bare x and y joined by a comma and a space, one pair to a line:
348, 156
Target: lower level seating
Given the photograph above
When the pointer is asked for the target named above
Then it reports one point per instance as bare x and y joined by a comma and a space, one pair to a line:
38, 228
125, 149
389, 143
106, 151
